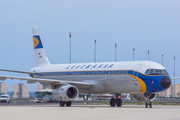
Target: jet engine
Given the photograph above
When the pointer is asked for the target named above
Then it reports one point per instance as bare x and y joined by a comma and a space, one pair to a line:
143, 97
66, 93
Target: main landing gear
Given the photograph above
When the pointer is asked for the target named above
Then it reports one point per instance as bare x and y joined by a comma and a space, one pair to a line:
116, 101
148, 103
63, 103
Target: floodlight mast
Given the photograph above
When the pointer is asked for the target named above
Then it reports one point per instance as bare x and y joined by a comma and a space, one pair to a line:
115, 51
70, 47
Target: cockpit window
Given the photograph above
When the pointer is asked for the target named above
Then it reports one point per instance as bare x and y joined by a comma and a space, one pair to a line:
147, 71
165, 72
151, 71
156, 71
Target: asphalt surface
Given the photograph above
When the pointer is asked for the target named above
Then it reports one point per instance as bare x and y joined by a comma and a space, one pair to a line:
48, 111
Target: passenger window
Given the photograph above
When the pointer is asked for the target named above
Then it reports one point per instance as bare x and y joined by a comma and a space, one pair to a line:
151, 71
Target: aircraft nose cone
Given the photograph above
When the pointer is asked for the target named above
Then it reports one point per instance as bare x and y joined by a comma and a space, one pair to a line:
165, 82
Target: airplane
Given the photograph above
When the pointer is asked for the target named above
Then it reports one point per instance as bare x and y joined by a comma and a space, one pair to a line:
141, 79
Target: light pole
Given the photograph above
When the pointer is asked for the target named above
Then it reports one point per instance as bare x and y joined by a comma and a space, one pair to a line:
133, 53
115, 51
148, 55
174, 77
70, 47
162, 59
94, 50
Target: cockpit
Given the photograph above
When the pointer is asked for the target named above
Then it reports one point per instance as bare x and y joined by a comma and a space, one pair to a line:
156, 72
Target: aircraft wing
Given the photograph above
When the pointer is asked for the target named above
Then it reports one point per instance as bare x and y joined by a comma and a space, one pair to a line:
79, 85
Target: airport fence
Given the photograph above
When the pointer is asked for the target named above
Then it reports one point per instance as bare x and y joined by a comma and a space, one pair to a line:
157, 100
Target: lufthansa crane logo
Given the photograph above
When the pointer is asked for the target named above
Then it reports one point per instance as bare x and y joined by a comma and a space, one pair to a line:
35, 41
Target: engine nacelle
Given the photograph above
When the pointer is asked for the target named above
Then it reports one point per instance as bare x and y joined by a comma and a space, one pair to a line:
142, 97
66, 93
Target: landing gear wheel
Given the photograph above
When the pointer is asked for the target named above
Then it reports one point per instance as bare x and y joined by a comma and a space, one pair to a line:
112, 102
119, 102
68, 104
150, 105
61, 103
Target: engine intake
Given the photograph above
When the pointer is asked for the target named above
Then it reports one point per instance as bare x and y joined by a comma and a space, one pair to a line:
66, 93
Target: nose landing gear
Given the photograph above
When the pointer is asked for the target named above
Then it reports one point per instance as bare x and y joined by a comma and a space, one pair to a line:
116, 101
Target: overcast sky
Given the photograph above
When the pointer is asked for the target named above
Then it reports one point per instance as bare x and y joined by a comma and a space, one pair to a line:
152, 25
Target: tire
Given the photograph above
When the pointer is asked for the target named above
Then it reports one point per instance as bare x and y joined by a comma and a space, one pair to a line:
61, 103
119, 102
68, 104
112, 102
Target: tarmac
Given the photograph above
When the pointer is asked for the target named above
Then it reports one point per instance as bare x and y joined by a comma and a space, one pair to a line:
88, 112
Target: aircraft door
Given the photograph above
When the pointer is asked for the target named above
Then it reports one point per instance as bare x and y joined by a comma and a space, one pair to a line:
137, 68
104, 75
69, 75
70, 72
104, 72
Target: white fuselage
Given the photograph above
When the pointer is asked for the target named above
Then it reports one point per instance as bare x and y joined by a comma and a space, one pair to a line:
112, 77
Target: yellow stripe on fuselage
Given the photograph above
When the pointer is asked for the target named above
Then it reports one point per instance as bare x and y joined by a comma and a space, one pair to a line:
142, 84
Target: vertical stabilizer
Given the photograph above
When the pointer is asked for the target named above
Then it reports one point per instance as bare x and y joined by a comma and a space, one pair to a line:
39, 53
